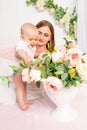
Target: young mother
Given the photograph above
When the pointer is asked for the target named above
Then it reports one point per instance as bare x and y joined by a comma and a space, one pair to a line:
46, 36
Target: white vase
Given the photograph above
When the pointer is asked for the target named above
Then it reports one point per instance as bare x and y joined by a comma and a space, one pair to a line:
63, 99
34, 93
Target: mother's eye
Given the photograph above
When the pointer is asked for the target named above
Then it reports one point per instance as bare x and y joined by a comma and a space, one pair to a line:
46, 35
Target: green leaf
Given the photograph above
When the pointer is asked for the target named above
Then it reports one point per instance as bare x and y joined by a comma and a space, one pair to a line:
59, 72
29, 2
66, 64
38, 84
5, 80
71, 70
37, 61
23, 64
2, 77
65, 83
43, 71
44, 55
47, 61
52, 66
16, 72
15, 69
60, 67
64, 76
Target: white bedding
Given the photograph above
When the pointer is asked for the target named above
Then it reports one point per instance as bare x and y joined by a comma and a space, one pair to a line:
7, 94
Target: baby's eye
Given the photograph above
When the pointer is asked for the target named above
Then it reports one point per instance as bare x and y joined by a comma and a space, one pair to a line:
30, 39
35, 39
40, 33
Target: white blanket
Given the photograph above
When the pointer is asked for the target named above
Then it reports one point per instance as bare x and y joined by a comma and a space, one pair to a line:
7, 94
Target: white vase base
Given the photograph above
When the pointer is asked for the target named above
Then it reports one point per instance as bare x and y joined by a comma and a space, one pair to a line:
64, 114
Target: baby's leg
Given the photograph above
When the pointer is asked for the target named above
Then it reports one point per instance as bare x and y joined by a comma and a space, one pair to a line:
21, 92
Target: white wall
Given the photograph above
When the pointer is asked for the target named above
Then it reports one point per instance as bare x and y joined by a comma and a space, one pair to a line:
85, 13
82, 24
14, 13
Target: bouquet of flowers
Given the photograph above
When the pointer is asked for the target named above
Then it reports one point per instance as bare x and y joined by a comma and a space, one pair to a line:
57, 69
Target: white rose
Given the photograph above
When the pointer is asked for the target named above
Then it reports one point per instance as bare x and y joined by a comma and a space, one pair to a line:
25, 78
82, 70
25, 71
35, 75
84, 58
57, 56
26, 75
65, 19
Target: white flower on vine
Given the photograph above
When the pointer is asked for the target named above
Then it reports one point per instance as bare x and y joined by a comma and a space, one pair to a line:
67, 26
40, 5
51, 11
65, 19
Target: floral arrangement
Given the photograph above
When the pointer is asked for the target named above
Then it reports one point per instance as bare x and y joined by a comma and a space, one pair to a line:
61, 15
57, 69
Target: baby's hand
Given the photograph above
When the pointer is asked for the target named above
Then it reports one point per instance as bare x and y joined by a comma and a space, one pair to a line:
27, 60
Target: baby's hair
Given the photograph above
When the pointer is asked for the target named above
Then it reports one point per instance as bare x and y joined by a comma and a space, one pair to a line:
26, 26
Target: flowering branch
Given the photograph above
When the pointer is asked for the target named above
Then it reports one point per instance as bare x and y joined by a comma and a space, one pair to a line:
61, 15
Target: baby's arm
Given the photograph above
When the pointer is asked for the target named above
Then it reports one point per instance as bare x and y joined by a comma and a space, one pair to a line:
23, 55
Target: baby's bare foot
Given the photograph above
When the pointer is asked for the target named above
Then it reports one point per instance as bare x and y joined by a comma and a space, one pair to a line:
24, 107
29, 102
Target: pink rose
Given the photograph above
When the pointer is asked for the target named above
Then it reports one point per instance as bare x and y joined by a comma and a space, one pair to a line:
74, 55
53, 84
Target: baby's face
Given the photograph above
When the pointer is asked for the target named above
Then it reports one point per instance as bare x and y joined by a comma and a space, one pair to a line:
32, 37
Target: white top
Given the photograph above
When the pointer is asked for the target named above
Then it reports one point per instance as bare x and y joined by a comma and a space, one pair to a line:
23, 45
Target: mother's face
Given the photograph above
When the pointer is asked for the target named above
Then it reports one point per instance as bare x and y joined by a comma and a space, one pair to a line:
44, 35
